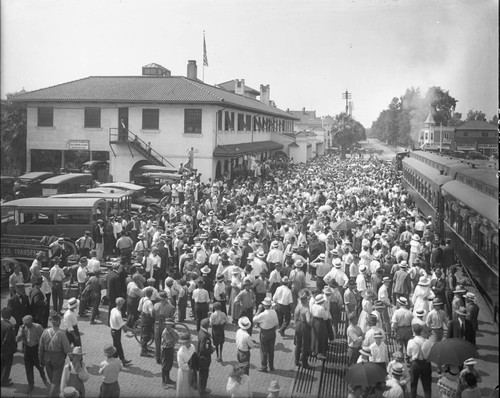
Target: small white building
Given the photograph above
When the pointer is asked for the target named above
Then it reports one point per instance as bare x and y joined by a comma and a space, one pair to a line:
152, 119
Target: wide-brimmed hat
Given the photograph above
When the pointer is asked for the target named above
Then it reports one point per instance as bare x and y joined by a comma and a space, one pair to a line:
459, 289
206, 270
236, 270
420, 312
45, 270
378, 333
424, 281
244, 323
376, 256
362, 269
436, 301
163, 295
334, 252
402, 301
403, 264
319, 298
415, 237
461, 311
285, 279
304, 295
73, 303
470, 361
247, 281
261, 254
220, 277
337, 263
267, 301
378, 304
298, 264
470, 296
369, 293
109, 350
274, 386
327, 290
386, 279
322, 256
184, 337
77, 351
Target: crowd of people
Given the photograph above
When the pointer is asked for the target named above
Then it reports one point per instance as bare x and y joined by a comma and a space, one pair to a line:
294, 252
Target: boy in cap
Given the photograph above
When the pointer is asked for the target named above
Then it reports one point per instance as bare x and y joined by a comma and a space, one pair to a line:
110, 368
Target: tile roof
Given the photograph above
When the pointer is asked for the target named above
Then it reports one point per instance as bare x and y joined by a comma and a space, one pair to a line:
247, 147
146, 89
229, 86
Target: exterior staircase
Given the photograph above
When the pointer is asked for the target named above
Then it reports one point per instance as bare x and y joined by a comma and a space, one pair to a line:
117, 137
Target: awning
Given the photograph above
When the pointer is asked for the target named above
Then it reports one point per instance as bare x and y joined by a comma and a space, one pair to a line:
480, 203
234, 150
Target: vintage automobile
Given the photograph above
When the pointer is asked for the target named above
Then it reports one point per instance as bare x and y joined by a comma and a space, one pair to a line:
30, 184
98, 168
67, 183
139, 195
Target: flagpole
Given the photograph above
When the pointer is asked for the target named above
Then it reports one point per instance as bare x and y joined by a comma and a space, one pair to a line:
203, 56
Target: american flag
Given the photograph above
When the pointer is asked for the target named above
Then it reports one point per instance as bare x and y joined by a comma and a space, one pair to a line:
205, 58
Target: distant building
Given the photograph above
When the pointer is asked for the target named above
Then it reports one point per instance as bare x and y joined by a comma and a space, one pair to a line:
310, 135
155, 118
435, 137
476, 135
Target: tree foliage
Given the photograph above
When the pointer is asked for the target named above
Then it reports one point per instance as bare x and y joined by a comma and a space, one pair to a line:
475, 115
13, 138
346, 131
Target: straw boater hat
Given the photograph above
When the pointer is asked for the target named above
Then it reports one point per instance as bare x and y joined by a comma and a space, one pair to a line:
420, 312
436, 301
267, 302
378, 333
274, 244
376, 256
365, 351
73, 303
386, 279
378, 304
470, 296
337, 263
319, 299
415, 237
424, 281
327, 290
261, 254
247, 281
397, 369
362, 269
298, 264
403, 264
45, 270
459, 289
220, 277
402, 301
470, 362
244, 323
274, 386
236, 270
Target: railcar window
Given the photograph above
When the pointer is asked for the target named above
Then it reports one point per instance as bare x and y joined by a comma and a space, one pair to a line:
468, 231
460, 224
482, 241
494, 252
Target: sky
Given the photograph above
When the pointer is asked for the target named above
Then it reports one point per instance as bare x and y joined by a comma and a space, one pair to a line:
308, 51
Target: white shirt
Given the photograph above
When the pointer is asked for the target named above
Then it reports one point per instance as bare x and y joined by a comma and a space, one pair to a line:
243, 340
115, 319
69, 320
418, 348
81, 274
56, 273
379, 352
93, 265
283, 295
268, 319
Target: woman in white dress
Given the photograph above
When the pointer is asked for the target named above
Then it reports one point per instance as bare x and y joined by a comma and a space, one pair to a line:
366, 309
415, 248
422, 295
184, 354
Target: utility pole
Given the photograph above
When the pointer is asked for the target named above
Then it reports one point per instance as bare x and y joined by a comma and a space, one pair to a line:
347, 96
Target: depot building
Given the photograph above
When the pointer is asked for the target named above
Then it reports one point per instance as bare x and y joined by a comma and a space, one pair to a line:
156, 118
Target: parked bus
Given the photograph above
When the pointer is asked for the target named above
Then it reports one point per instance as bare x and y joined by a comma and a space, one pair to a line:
67, 183
119, 203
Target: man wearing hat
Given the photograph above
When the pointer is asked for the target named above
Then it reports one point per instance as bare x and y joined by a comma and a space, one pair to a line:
99, 239
29, 334
379, 351
401, 282
201, 300
115, 286
8, 346
141, 248
70, 322
376, 278
220, 295
352, 298
75, 372
337, 275
461, 327
58, 248
52, 350
125, 245
246, 300
204, 349
438, 285
110, 368
36, 266
472, 309
303, 320
436, 320
82, 278
15, 278
117, 323
267, 319
419, 319
218, 320
20, 305
145, 308
355, 337
85, 244
162, 310
394, 382
468, 369
458, 300
401, 323
93, 264
37, 301
383, 296
420, 368
364, 355
298, 279
283, 299
56, 277
244, 343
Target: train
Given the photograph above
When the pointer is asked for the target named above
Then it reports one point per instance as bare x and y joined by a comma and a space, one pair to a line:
462, 198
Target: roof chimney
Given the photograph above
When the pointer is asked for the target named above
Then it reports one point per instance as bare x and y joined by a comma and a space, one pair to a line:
192, 70
264, 94
239, 86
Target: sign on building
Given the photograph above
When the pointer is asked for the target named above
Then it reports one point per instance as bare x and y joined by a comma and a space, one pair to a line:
79, 145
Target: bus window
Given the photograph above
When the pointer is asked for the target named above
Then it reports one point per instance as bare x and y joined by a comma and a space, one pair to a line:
73, 216
32, 217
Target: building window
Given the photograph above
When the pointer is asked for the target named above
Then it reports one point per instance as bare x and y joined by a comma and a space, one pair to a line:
229, 121
192, 121
150, 119
46, 116
466, 133
92, 118
484, 134
248, 122
241, 122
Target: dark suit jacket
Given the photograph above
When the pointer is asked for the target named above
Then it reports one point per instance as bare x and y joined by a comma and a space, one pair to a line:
455, 331
20, 306
112, 283
472, 314
8, 339
204, 349
37, 304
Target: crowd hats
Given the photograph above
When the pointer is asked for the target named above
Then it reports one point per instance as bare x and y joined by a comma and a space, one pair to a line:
378, 304
109, 350
244, 323
261, 254
206, 270
386, 279
337, 263
322, 256
378, 333
247, 281
397, 354
298, 264
372, 319
420, 312
424, 281
285, 279
163, 295
470, 296
376, 256
319, 298
73, 303
461, 311
362, 269
76, 351
303, 295
274, 386
83, 259
470, 362
397, 369
267, 302
436, 301
365, 351
327, 290
402, 301
415, 237
459, 290
220, 277
369, 294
